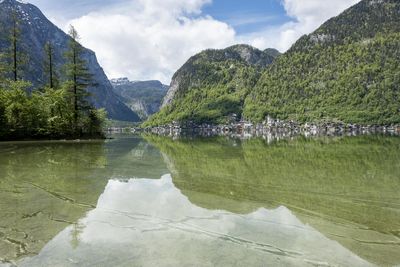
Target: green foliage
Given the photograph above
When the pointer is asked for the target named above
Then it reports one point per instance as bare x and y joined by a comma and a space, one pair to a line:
347, 70
43, 114
50, 112
355, 82
78, 79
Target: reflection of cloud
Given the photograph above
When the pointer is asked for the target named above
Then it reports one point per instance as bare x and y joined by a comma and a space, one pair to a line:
150, 223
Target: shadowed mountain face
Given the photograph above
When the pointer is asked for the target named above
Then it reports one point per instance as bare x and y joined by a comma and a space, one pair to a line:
143, 97
212, 85
347, 188
35, 31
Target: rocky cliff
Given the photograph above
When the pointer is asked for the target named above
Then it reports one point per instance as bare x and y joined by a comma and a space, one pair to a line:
143, 97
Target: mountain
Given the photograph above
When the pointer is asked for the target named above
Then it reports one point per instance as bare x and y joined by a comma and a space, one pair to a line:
142, 97
212, 85
35, 31
347, 70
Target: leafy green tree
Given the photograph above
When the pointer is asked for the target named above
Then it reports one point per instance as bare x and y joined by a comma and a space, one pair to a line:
3, 120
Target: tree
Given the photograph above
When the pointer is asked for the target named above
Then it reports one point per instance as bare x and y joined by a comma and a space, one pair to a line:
49, 67
12, 60
14, 39
78, 77
3, 68
3, 119
3, 60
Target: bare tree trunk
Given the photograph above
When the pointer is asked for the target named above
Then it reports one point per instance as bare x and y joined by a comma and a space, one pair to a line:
14, 48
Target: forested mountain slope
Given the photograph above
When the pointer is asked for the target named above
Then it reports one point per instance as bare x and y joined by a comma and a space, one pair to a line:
347, 70
213, 85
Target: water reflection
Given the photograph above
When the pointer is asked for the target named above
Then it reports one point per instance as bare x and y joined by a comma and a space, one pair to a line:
227, 202
346, 187
150, 223
46, 186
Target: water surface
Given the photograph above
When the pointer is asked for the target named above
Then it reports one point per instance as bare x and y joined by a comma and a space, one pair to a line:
154, 201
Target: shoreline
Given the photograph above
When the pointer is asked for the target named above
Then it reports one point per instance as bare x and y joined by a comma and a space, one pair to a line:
54, 139
278, 128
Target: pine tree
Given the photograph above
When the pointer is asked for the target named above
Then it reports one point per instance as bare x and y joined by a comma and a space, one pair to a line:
3, 60
3, 68
14, 39
49, 66
78, 77
13, 60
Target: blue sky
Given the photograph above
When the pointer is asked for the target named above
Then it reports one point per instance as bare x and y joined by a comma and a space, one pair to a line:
151, 39
243, 15
248, 16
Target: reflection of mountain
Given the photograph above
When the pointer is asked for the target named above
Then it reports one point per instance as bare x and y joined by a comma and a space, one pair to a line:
150, 223
347, 188
44, 187
132, 157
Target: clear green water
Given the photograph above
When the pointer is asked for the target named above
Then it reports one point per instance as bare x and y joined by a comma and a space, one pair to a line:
153, 201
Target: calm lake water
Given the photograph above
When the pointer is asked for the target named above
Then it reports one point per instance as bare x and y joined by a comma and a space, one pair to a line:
153, 201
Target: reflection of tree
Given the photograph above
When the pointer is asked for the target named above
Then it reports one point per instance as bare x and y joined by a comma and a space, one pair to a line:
132, 157
346, 180
76, 231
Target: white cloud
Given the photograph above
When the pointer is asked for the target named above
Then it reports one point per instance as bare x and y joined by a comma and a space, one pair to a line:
151, 39
308, 15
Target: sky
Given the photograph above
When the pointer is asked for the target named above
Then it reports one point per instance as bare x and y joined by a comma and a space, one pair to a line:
151, 39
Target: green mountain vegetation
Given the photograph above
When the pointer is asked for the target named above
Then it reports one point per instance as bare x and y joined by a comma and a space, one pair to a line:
57, 110
37, 36
213, 85
347, 70
346, 187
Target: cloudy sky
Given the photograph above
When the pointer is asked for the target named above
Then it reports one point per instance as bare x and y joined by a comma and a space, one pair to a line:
151, 39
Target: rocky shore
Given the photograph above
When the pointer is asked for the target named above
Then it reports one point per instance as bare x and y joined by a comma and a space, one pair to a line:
272, 128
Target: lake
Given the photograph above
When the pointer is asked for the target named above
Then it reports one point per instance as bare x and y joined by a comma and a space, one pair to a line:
155, 201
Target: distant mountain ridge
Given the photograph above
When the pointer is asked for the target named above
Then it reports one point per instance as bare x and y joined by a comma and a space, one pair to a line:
36, 30
212, 85
143, 97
